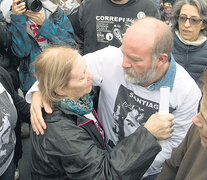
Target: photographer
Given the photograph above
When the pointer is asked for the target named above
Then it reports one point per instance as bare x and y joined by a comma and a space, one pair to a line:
34, 25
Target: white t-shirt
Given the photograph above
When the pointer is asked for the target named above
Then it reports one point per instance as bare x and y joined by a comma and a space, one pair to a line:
8, 118
123, 106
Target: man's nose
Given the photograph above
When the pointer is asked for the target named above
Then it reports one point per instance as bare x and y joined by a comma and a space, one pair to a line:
126, 63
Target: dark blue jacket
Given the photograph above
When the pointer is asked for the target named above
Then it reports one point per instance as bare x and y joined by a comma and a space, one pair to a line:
192, 58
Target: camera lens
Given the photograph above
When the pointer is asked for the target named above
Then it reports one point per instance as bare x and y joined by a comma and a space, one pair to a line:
34, 5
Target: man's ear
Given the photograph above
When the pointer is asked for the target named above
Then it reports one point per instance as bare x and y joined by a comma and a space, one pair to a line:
163, 58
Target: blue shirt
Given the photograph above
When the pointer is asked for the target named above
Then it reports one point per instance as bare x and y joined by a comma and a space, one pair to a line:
167, 79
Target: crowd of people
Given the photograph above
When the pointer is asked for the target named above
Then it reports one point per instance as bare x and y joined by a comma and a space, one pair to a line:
91, 72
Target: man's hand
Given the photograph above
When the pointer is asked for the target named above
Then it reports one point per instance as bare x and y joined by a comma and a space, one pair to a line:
37, 121
160, 125
37, 17
18, 7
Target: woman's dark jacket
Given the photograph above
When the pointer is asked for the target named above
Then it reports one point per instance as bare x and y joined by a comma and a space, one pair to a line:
73, 148
192, 58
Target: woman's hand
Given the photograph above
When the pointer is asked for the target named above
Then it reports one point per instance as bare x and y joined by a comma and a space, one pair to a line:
37, 121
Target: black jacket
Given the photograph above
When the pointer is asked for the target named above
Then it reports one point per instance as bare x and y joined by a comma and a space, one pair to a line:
7, 59
73, 148
5, 42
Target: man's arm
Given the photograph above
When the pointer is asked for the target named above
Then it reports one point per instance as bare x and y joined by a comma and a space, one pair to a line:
34, 97
37, 121
159, 125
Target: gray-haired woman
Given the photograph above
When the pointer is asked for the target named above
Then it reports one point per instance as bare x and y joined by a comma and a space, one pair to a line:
189, 22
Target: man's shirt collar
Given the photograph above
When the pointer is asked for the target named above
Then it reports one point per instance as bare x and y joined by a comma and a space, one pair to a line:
167, 79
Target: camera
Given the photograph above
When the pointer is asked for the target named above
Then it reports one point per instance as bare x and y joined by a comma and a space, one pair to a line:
33, 5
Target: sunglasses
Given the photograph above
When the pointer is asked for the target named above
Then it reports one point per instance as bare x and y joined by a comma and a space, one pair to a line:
192, 20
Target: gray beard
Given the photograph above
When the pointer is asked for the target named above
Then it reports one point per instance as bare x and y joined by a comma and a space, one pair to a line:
145, 77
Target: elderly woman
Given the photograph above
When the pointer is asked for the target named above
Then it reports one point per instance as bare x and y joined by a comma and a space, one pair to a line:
74, 143
188, 161
189, 22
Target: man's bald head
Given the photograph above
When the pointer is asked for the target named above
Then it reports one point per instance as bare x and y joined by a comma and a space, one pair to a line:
151, 32
146, 48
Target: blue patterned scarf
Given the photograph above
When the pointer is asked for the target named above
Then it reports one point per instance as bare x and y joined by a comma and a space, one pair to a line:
82, 106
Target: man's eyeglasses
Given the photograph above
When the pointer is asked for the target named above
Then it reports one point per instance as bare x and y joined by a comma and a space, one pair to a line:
192, 20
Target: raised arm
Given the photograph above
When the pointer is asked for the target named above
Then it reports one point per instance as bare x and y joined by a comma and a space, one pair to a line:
60, 29
18, 30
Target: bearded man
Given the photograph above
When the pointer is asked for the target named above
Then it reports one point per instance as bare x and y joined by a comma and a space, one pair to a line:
130, 78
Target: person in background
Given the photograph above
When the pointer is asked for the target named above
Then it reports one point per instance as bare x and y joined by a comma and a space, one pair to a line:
158, 3
7, 59
166, 14
11, 106
100, 23
74, 144
139, 68
189, 22
33, 30
66, 5
70, 5
188, 160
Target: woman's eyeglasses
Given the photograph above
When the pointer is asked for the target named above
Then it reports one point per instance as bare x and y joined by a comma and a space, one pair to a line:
192, 20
